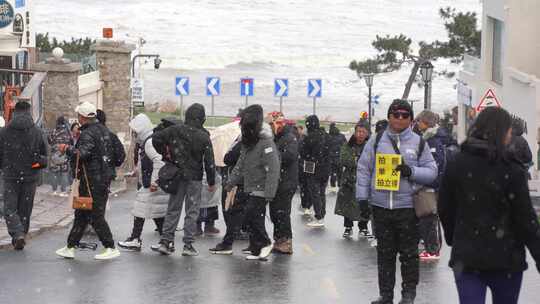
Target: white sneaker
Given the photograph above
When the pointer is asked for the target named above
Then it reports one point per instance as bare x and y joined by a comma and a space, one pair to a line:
316, 224
54, 193
66, 253
306, 211
155, 247
265, 251
252, 257
63, 194
108, 254
131, 244
373, 243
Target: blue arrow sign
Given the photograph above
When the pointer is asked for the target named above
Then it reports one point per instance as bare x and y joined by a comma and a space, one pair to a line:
246, 87
213, 86
376, 99
314, 88
181, 86
281, 87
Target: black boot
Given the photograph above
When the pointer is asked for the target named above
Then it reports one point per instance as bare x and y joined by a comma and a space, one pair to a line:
382, 300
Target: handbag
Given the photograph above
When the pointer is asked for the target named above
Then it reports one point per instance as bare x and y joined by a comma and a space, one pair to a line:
169, 178
81, 202
425, 202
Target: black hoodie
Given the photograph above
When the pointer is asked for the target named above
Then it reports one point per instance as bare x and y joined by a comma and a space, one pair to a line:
336, 140
188, 146
315, 147
22, 145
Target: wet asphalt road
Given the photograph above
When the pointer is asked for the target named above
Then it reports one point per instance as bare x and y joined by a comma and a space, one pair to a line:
324, 269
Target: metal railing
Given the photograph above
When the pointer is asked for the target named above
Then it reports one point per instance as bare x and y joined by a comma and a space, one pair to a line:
33, 93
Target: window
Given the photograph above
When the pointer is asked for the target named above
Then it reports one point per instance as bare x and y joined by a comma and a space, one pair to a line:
497, 52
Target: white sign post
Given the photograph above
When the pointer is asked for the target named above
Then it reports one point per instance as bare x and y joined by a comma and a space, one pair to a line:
137, 92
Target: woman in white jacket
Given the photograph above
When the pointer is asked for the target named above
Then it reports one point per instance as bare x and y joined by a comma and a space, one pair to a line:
151, 202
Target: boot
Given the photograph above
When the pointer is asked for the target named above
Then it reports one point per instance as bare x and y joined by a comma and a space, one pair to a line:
283, 246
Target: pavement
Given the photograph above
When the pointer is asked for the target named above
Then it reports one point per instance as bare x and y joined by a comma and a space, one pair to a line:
50, 212
325, 268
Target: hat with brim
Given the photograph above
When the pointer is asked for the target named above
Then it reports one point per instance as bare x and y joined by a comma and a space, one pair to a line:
86, 109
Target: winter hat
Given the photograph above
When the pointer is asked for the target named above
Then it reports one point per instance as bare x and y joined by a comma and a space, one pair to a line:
140, 123
276, 119
400, 104
251, 124
195, 115
86, 109
428, 117
312, 123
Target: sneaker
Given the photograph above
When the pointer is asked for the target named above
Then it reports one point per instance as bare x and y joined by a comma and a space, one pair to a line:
222, 249
364, 233
426, 256
308, 212
265, 251
316, 224
247, 250
155, 247
382, 300
54, 193
108, 254
347, 233
189, 250
252, 257
66, 252
131, 244
211, 230
373, 243
406, 301
63, 194
166, 247
19, 243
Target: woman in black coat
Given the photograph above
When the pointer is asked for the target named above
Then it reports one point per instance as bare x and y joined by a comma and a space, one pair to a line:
487, 215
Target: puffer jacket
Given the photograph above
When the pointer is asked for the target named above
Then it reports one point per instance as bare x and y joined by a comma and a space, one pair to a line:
258, 167
336, 141
315, 148
287, 145
151, 160
22, 144
424, 170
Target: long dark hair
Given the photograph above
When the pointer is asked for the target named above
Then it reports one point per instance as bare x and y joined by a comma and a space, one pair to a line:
492, 126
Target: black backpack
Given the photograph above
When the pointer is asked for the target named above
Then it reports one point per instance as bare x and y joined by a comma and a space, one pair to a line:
169, 178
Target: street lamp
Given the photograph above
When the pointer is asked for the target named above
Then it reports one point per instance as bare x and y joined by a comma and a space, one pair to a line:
426, 70
368, 78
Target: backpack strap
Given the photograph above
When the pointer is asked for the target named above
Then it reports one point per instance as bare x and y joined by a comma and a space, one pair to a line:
377, 140
421, 148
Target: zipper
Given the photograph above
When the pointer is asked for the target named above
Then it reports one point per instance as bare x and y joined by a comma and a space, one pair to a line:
392, 192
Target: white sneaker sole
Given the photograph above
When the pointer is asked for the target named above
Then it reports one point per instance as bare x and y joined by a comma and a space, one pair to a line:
252, 258
265, 251
227, 252
129, 248
108, 257
68, 257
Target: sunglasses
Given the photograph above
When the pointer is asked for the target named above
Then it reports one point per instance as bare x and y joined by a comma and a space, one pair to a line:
400, 114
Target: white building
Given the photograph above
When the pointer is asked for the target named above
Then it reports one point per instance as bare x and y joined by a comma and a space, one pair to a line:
509, 63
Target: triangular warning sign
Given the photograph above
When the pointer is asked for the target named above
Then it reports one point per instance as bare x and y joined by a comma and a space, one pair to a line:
489, 100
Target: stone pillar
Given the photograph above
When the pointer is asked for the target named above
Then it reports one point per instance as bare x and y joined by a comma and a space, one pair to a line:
61, 88
114, 64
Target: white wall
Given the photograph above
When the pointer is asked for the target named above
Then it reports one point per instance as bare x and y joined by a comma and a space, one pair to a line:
90, 89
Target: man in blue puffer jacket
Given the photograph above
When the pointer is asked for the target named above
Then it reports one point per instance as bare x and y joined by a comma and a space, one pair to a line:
393, 211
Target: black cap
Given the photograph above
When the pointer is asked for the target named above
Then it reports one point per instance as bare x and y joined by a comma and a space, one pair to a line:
400, 104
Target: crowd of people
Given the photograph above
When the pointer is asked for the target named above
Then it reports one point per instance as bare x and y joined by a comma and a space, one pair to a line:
477, 191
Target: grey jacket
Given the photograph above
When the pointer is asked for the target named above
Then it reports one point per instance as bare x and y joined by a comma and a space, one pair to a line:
424, 170
258, 168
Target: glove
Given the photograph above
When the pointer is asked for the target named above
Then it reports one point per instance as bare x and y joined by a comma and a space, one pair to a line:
405, 170
363, 202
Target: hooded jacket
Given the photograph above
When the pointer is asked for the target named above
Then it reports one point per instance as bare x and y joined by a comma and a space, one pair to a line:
258, 167
486, 212
315, 147
336, 141
150, 160
22, 145
519, 150
424, 170
188, 146
287, 145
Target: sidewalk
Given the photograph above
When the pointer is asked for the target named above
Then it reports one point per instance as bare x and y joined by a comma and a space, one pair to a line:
50, 212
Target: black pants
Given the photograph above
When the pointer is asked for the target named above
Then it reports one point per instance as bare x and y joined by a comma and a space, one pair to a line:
94, 217
397, 232
347, 223
429, 232
334, 174
235, 217
280, 214
138, 224
255, 216
304, 199
18, 205
316, 194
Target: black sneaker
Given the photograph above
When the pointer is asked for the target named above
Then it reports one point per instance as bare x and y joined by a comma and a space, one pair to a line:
221, 248
19, 243
166, 247
189, 250
348, 233
382, 300
131, 244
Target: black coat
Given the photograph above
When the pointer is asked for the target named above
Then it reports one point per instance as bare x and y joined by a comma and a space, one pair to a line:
335, 141
287, 145
315, 148
486, 212
188, 146
22, 145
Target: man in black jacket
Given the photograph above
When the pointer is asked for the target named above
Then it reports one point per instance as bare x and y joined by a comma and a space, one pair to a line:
336, 140
93, 149
280, 207
314, 155
23, 153
119, 153
187, 146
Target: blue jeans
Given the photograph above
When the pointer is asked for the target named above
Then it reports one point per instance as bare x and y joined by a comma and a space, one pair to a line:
60, 178
472, 287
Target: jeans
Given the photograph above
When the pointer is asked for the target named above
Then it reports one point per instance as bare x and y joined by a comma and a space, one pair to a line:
505, 287
429, 232
235, 216
316, 194
255, 216
397, 232
94, 217
280, 214
18, 205
138, 224
59, 178
190, 192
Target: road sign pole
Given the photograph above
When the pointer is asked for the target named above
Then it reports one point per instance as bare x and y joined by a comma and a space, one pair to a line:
181, 107
314, 105
281, 104
246, 105
213, 114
